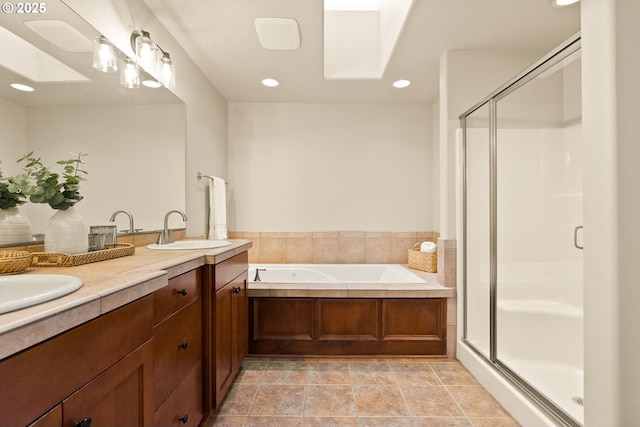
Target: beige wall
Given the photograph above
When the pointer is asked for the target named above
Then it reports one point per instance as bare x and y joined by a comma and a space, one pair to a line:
330, 167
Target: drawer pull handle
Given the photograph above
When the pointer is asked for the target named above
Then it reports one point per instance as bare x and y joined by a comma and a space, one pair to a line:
84, 423
183, 345
183, 419
236, 290
183, 292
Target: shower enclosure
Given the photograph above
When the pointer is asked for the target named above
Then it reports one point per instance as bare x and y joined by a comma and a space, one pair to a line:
522, 235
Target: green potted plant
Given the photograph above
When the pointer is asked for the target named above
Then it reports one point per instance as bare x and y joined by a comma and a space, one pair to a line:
66, 231
60, 191
14, 227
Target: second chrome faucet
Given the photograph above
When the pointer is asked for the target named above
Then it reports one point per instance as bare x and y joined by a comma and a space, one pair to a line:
166, 236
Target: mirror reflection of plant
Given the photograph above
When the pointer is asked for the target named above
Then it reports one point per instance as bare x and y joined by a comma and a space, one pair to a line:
59, 191
9, 198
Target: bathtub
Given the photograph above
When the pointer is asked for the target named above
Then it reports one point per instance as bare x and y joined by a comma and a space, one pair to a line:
333, 274
348, 310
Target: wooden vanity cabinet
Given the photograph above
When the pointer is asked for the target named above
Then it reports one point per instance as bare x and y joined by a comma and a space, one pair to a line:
177, 336
100, 370
226, 294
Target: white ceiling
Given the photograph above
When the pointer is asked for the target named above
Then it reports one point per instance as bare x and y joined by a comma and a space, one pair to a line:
221, 38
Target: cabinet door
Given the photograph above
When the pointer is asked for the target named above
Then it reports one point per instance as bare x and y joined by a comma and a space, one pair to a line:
53, 418
223, 342
121, 396
240, 321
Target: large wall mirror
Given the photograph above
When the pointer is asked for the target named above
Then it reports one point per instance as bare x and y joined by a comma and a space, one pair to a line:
134, 138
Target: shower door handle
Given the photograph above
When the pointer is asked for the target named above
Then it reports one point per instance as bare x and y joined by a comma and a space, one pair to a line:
575, 237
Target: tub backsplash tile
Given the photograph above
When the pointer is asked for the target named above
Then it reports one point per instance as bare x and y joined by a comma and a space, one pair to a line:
332, 247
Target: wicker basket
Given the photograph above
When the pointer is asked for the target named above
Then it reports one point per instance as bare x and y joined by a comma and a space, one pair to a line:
54, 259
422, 260
12, 262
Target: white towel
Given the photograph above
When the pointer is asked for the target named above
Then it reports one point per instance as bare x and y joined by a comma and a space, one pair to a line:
428, 247
217, 209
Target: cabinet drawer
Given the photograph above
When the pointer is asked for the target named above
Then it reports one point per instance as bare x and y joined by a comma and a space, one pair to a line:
183, 407
39, 378
179, 292
228, 270
177, 347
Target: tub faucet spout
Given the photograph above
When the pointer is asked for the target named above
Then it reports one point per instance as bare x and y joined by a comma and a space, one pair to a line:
166, 236
257, 278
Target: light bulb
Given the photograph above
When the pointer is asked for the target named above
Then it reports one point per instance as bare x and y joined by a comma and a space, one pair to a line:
104, 55
146, 53
167, 72
130, 77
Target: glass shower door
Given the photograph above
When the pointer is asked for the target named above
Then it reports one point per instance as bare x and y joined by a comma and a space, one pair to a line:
477, 226
538, 234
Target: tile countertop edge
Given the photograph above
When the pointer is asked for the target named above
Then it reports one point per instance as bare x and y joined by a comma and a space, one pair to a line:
127, 279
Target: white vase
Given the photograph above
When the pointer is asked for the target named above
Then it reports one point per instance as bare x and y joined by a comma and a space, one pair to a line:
66, 233
14, 227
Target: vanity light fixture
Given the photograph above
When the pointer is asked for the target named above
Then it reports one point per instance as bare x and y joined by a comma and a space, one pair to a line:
104, 55
153, 59
23, 88
401, 83
130, 76
269, 82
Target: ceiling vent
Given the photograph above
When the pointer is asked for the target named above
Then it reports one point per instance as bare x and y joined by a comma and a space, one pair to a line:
278, 33
61, 34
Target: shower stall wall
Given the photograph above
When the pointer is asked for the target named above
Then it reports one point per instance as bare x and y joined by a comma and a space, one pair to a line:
522, 236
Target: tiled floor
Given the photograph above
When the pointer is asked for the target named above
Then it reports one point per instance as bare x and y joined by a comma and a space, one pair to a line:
309, 392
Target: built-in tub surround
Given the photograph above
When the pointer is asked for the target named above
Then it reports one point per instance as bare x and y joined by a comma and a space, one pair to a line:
332, 247
340, 281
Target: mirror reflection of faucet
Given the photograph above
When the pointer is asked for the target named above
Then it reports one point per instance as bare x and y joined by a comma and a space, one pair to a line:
257, 278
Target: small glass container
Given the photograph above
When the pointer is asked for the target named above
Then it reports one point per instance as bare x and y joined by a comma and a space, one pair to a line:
109, 232
96, 242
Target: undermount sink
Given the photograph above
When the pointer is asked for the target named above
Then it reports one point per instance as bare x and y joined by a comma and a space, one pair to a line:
191, 244
25, 290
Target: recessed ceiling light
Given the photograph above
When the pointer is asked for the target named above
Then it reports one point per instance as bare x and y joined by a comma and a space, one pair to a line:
270, 82
563, 3
401, 83
151, 83
22, 87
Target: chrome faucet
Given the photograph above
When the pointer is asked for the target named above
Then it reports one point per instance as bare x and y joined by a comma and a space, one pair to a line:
166, 236
113, 219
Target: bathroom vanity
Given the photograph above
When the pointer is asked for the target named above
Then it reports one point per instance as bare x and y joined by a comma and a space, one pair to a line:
150, 339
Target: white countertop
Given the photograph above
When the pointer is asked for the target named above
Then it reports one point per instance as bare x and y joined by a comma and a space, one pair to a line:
107, 285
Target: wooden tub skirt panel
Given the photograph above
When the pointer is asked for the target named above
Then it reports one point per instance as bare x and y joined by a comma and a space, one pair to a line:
347, 326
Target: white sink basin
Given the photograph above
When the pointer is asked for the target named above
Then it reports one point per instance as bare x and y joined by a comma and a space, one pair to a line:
191, 244
25, 290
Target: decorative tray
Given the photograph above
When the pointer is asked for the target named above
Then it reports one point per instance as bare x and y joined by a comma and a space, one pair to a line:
53, 259
12, 262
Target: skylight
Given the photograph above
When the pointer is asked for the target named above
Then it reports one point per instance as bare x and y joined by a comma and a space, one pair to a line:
360, 35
